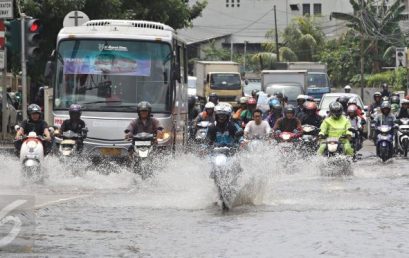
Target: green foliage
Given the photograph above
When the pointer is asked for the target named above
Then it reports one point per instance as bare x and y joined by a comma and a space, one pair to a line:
397, 78
213, 53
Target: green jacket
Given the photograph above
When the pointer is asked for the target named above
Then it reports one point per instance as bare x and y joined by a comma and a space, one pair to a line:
335, 128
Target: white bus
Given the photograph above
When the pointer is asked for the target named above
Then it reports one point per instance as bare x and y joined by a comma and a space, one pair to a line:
108, 66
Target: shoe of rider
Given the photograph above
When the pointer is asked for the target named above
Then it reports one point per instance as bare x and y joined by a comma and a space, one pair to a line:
224, 132
257, 128
36, 124
288, 123
335, 126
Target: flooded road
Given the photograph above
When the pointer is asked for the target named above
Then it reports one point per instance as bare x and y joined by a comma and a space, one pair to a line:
284, 211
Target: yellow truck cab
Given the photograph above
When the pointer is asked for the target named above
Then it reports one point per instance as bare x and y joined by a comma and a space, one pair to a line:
220, 77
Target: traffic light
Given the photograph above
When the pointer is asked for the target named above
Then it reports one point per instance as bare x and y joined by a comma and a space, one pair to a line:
32, 37
13, 37
400, 57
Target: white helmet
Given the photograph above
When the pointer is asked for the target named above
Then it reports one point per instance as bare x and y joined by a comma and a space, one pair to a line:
304, 97
404, 101
347, 87
222, 110
209, 105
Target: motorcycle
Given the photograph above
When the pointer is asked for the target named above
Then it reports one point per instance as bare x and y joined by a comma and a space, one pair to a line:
337, 162
225, 172
309, 139
402, 136
68, 142
201, 131
376, 112
141, 156
287, 140
384, 142
32, 157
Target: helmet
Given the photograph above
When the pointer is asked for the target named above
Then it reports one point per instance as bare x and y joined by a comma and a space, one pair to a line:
273, 102
384, 85
33, 109
395, 100
279, 95
310, 98
222, 110
254, 92
302, 97
214, 98
251, 101
310, 106
75, 109
386, 105
209, 105
192, 101
243, 100
404, 101
144, 106
353, 100
336, 109
289, 109
385, 98
343, 100
377, 94
347, 87
352, 109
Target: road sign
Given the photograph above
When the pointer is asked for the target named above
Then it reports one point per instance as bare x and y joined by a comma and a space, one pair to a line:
75, 18
6, 9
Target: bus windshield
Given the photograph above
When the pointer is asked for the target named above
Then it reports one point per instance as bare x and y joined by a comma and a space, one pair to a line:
318, 80
113, 75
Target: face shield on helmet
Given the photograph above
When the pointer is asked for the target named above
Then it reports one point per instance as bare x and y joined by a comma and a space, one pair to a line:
377, 96
386, 108
223, 113
289, 111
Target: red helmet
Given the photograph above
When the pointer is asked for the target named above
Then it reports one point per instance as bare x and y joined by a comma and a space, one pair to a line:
352, 109
251, 101
310, 106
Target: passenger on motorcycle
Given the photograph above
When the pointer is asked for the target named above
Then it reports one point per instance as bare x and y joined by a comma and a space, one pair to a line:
353, 101
243, 106
36, 124
276, 112
247, 115
335, 126
357, 122
206, 115
288, 123
347, 89
403, 112
395, 104
214, 98
377, 96
344, 102
385, 90
224, 132
193, 110
257, 129
75, 123
144, 123
301, 99
310, 115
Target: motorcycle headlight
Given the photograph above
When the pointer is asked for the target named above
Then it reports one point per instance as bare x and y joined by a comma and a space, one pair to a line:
165, 137
32, 144
332, 147
286, 137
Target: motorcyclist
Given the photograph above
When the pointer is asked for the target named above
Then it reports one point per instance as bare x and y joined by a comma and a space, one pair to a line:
385, 90
356, 122
335, 126
386, 118
206, 115
403, 112
288, 123
254, 93
300, 105
193, 110
75, 123
36, 124
276, 112
213, 97
224, 132
354, 101
310, 115
257, 128
377, 96
347, 89
395, 103
144, 123
247, 115
243, 106
344, 102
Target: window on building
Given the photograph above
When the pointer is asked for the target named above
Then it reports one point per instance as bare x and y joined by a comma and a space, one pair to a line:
306, 10
238, 3
317, 9
294, 7
227, 3
232, 3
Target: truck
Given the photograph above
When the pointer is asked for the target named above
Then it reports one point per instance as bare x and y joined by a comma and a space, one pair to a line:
220, 77
318, 80
290, 83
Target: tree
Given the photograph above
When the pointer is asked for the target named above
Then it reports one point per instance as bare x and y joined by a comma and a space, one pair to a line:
175, 13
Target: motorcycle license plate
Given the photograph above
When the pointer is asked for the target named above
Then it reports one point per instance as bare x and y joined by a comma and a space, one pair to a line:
142, 143
113, 152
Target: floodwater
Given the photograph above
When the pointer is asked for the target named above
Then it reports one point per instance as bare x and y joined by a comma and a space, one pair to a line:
286, 208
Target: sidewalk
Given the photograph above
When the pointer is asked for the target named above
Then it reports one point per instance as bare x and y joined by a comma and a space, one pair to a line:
7, 145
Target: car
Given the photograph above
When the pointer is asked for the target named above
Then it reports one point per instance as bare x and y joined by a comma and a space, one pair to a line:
13, 115
327, 98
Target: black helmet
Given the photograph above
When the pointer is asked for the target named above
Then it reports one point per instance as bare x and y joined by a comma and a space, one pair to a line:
192, 101
343, 100
289, 109
144, 106
214, 98
75, 111
32, 109
395, 100
279, 95
336, 109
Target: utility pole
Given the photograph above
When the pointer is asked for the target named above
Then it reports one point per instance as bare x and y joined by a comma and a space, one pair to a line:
4, 103
362, 66
231, 48
23, 66
245, 52
275, 25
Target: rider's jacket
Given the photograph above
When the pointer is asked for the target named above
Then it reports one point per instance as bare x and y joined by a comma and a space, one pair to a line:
314, 120
224, 134
335, 128
152, 125
75, 126
385, 120
30, 126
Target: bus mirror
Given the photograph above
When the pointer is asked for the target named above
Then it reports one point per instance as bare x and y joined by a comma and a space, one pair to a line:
49, 71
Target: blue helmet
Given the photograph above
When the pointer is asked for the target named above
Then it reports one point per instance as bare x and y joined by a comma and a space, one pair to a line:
273, 102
